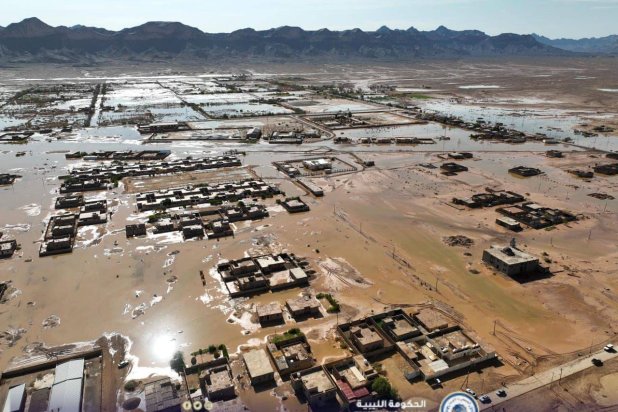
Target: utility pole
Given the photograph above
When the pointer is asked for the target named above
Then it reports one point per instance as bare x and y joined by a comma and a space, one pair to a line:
560, 378
494, 327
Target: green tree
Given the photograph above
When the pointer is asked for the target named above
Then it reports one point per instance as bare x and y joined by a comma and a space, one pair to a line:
177, 363
383, 388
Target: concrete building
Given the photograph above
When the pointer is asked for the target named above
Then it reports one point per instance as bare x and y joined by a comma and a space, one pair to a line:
15, 399
7, 248
217, 383
66, 392
366, 338
135, 230
162, 396
317, 164
269, 313
510, 260
303, 306
292, 357
316, 386
525, 171
258, 366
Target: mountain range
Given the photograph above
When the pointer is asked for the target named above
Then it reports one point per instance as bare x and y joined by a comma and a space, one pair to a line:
32, 40
595, 45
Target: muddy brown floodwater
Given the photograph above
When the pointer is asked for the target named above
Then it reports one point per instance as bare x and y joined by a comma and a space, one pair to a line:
375, 240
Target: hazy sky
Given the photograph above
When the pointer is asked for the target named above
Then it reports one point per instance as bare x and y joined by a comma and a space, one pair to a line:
553, 18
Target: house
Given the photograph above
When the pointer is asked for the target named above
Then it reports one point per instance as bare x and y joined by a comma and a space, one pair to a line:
161, 396
254, 134
398, 327
67, 202
217, 383
353, 377
610, 169
7, 248
219, 228
294, 205
366, 338
453, 168
317, 164
554, 154
524, 171
258, 366
509, 223
135, 230
316, 386
291, 357
190, 232
269, 313
303, 306
91, 218
510, 260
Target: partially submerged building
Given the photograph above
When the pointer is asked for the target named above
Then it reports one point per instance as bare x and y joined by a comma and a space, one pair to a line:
303, 306
490, 198
510, 260
258, 366
7, 248
294, 205
536, 216
525, 171
291, 355
316, 386
161, 396
269, 313
217, 383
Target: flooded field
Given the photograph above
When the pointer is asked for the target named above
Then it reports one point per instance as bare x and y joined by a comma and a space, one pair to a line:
374, 241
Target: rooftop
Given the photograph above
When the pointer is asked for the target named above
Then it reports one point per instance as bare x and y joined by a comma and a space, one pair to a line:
257, 363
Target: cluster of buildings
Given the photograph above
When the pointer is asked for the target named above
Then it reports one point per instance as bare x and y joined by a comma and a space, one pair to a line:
490, 198
211, 194
396, 140
65, 391
106, 173
536, 216
252, 275
608, 169
61, 230
143, 155
163, 127
432, 346
193, 224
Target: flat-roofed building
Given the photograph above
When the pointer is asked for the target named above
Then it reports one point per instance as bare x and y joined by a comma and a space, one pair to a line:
258, 366
162, 396
510, 260
366, 338
316, 386
15, 399
269, 313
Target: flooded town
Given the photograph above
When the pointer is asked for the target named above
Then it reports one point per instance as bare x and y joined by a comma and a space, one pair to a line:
292, 237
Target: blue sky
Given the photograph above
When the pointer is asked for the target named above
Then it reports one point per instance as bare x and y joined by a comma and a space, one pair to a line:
553, 18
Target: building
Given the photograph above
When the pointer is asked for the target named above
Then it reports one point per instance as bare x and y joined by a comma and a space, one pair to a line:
316, 386
294, 205
270, 313
303, 306
258, 366
15, 399
162, 396
66, 392
366, 338
353, 376
398, 327
510, 260
317, 164
291, 357
135, 230
7, 248
453, 168
189, 232
509, 223
217, 383
254, 134
554, 153
610, 169
431, 320
525, 171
